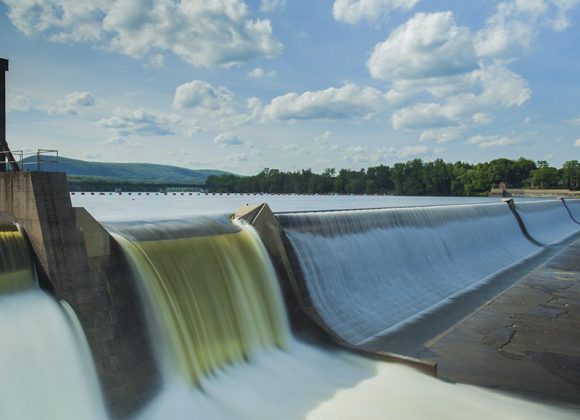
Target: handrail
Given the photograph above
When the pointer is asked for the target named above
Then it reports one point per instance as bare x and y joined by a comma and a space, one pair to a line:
43, 157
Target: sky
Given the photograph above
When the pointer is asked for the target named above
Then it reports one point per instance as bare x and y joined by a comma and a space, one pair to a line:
293, 84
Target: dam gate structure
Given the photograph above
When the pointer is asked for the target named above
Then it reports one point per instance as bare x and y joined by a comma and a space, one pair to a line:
82, 265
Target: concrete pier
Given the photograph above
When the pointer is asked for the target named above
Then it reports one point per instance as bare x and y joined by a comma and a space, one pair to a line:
84, 266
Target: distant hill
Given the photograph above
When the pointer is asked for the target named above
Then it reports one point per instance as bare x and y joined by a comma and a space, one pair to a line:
127, 172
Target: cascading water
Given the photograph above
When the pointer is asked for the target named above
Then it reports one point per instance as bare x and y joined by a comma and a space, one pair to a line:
213, 298
372, 272
15, 262
46, 370
574, 207
549, 222
213, 294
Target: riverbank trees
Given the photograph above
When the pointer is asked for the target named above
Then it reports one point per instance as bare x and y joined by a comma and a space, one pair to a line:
414, 177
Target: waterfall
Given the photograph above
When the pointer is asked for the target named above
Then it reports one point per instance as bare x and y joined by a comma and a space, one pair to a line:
211, 292
15, 261
548, 221
46, 371
370, 273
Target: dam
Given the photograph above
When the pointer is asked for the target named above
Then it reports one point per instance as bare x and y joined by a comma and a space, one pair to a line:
254, 313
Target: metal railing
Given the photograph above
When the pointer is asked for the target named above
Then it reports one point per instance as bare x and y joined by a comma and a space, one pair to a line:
43, 157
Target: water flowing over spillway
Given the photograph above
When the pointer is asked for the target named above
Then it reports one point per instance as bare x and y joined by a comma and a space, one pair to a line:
371, 272
15, 262
214, 295
574, 207
222, 368
46, 370
548, 221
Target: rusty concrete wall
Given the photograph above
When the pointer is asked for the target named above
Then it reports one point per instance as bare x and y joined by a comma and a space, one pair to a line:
86, 268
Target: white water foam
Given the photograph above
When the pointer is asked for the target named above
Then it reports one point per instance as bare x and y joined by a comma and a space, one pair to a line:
309, 383
46, 371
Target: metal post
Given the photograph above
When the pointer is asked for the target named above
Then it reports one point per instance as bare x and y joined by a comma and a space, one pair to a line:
3, 70
6, 154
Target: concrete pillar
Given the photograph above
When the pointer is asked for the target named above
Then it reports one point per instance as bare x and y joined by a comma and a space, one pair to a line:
86, 268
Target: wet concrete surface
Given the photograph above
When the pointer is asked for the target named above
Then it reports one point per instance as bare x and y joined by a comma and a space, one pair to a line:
526, 340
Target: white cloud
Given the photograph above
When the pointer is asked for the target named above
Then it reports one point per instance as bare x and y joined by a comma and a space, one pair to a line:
323, 138
362, 154
492, 141
119, 141
156, 61
431, 54
355, 11
137, 122
577, 142
443, 135
227, 140
254, 106
199, 95
348, 101
573, 121
491, 88
411, 151
481, 118
515, 25
18, 103
440, 76
272, 5
259, 73
427, 45
422, 116
202, 33
73, 102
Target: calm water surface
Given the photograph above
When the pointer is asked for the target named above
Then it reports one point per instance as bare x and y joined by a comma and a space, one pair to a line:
116, 207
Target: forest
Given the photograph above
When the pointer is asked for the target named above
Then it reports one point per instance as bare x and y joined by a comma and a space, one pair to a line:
414, 177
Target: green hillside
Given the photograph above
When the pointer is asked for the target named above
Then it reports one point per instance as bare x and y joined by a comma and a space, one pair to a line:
127, 172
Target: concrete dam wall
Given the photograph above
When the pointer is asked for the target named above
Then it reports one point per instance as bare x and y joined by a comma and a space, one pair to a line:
77, 261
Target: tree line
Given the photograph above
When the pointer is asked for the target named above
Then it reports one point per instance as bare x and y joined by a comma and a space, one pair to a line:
414, 177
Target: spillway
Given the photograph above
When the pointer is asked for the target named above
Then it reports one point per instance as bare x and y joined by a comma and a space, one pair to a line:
369, 273
548, 222
574, 207
15, 261
223, 339
46, 371
213, 294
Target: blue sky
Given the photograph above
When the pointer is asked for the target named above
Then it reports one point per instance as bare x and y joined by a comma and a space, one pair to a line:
293, 84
